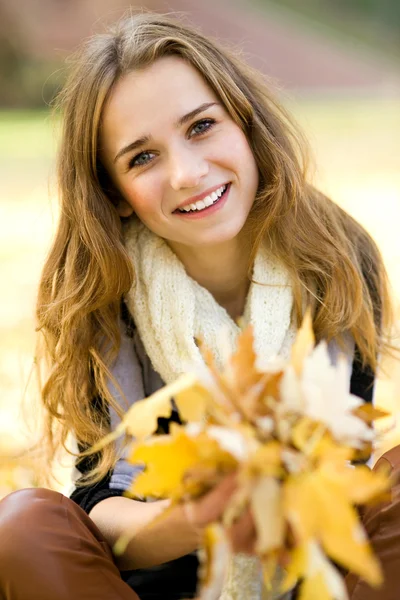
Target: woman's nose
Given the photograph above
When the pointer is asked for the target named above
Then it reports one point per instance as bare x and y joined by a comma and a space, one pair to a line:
186, 169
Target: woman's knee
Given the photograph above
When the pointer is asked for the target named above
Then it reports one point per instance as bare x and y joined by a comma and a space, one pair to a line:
22, 515
38, 520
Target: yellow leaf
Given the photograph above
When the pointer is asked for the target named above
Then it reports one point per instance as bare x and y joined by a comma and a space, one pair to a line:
321, 577
172, 458
317, 507
315, 588
167, 459
296, 567
141, 420
298, 503
192, 403
369, 413
307, 433
267, 459
269, 567
303, 344
359, 484
214, 559
267, 511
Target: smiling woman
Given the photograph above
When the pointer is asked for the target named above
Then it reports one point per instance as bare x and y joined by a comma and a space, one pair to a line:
193, 145
185, 204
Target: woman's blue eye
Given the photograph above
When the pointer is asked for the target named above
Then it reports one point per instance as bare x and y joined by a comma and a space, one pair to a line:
140, 159
202, 126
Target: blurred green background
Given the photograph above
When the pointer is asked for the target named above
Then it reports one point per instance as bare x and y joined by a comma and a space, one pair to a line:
335, 66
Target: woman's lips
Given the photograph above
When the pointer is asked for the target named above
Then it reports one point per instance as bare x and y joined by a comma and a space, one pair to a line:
206, 211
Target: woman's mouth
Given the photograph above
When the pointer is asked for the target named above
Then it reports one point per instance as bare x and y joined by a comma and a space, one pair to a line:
206, 206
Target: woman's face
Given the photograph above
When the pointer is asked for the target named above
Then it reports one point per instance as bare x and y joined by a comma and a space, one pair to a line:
169, 144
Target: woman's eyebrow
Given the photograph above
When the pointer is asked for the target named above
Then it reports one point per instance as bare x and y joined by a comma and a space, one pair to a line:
147, 138
195, 112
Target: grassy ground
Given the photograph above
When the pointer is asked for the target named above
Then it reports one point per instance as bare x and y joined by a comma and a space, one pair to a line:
357, 151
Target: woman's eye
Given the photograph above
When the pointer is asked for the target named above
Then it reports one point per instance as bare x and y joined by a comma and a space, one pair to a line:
202, 126
140, 159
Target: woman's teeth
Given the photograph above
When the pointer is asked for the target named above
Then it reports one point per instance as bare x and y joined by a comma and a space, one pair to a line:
206, 202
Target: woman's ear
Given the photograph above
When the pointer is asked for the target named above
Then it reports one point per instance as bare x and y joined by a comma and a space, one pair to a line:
124, 209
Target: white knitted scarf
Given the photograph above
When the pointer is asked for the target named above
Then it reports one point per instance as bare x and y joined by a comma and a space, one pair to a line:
171, 310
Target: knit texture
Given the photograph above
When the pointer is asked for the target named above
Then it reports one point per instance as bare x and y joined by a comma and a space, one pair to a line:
171, 310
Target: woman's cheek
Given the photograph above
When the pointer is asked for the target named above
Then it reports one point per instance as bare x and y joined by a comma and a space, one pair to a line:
234, 148
142, 198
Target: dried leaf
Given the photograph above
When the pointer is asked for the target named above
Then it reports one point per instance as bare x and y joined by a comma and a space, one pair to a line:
243, 363
266, 460
303, 344
325, 389
317, 508
359, 484
168, 460
237, 504
267, 510
141, 420
322, 580
306, 434
192, 403
296, 567
255, 401
369, 413
214, 559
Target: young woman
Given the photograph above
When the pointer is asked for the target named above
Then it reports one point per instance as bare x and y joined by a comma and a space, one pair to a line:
185, 204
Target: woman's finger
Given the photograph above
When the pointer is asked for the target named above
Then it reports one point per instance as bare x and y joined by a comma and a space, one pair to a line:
242, 534
209, 508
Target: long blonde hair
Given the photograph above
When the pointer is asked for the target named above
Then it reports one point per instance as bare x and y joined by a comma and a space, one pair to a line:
334, 263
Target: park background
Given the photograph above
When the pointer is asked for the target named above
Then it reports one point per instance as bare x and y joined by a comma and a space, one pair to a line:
334, 64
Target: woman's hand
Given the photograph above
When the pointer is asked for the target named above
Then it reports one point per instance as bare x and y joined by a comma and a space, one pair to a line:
210, 507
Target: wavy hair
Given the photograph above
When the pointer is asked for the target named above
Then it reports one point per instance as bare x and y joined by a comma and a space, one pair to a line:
334, 264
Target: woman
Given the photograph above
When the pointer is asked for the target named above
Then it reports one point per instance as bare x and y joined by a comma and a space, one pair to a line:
184, 205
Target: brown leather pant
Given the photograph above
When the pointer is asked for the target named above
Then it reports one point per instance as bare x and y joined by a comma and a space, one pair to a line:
382, 523
51, 550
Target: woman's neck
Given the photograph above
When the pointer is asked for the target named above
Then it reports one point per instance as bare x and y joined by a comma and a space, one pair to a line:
221, 269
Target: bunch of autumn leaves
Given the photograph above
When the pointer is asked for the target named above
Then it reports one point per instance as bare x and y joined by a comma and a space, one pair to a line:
290, 431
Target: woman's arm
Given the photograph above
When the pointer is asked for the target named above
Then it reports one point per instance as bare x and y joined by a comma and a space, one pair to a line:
177, 534
168, 539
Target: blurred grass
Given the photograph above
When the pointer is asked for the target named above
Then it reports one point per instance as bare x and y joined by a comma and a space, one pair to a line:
356, 145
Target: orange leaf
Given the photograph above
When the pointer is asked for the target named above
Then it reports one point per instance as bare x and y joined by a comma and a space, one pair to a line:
369, 413
243, 362
303, 344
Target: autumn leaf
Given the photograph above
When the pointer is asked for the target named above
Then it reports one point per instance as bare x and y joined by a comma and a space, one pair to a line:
192, 402
169, 458
303, 343
243, 370
289, 432
214, 559
307, 433
369, 413
296, 566
317, 508
358, 483
321, 580
141, 420
266, 460
267, 511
